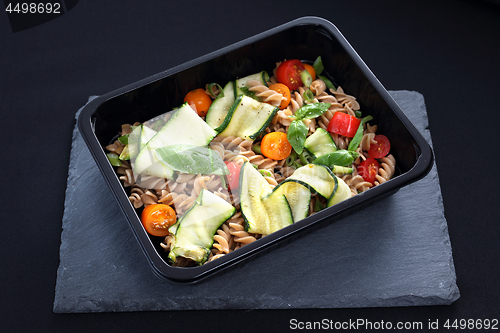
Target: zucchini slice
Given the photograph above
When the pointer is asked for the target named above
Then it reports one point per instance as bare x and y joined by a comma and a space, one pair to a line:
241, 84
317, 178
220, 107
264, 211
342, 193
279, 211
183, 127
248, 118
320, 143
146, 163
194, 234
132, 148
298, 197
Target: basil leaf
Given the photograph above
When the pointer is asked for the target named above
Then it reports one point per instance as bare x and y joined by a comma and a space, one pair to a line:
297, 133
318, 66
192, 159
339, 157
328, 83
353, 145
310, 111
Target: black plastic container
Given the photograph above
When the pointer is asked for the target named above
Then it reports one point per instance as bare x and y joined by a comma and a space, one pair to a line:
305, 38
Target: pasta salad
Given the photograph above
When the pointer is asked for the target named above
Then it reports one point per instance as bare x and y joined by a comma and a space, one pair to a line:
258, 154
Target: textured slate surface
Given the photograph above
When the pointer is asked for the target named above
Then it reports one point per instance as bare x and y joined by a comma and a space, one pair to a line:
395, 253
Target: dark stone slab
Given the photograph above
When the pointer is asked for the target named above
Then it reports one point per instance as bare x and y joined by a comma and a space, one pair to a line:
394, 253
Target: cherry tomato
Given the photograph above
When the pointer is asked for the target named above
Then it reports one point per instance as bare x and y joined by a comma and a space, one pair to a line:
381, 148
234, 175
283, 90
288, 73
368, 169
157, 218
311, 71
275, 145
343, 124
200, 99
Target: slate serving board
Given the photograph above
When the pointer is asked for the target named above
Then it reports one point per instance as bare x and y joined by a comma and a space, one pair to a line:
394, 253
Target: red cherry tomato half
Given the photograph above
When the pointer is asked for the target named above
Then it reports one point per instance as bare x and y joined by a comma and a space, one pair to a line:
381, 148
368, 169
343, 124
288, 73
234, 175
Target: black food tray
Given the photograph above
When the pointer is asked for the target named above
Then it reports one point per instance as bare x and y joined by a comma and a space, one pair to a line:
305, 38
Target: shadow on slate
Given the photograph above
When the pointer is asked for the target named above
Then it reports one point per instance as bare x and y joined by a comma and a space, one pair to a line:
395, 253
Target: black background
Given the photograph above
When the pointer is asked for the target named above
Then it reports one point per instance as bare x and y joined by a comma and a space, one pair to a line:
447, 50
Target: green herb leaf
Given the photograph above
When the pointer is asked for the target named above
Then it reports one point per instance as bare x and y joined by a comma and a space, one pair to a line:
353, 145
192, 159
328, 83
358, 114
339, 157
318, 66
310, 111
297, 133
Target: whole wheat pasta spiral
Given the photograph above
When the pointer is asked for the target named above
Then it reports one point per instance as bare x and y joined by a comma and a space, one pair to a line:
152, 182
219, 148
223, 240
127, 175
366, 141
260, 161
386, 170
357, 183
264, 93
233, 143
342, 142
345, 99
318, 87
142, 197
116, 147
284, 117
135, 196
210, 183
167, 242
237, 224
